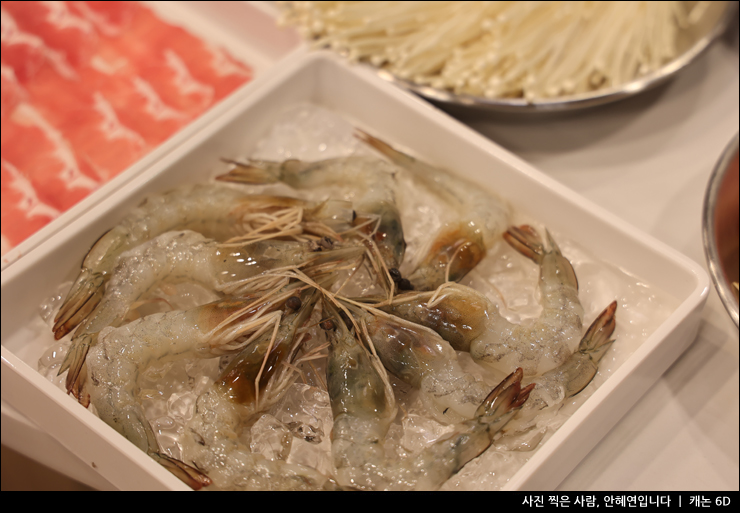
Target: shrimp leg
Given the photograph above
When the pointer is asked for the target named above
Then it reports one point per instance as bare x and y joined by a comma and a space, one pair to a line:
251, 382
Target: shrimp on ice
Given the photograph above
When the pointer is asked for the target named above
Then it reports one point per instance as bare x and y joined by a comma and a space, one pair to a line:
250, 383
422, 359
187, 256
554, 387
362, 403
371, 179
215, 210
257, 376
471, 322
363, 408
459, 246
122, 354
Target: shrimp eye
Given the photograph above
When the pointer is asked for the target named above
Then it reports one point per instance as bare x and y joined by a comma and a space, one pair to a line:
293, 302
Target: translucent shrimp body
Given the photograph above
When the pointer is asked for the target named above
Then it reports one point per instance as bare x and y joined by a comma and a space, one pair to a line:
460, 245
213, 441
557, 385
424, 360
371, 178
115, 363
546, 342
217, 211
362, 403
471, 322
363, 408
185, 256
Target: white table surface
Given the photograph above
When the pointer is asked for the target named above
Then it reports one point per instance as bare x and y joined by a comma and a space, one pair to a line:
648, 160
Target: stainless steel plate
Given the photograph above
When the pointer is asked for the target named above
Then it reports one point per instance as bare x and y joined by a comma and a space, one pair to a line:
692, 43
721, 229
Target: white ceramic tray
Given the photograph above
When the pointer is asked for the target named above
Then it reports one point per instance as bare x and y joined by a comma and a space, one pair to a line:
247, 30
401, 119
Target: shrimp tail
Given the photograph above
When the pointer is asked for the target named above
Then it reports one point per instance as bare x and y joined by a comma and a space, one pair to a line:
526, 241
79, 388
82, 299
251, 173
598, 339
191, 476
87, 290
75, 358
553, 265
505, 399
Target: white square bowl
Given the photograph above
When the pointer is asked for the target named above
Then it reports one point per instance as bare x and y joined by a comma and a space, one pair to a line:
401, 119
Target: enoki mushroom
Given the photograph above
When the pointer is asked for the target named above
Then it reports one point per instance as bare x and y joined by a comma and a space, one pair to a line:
534, 50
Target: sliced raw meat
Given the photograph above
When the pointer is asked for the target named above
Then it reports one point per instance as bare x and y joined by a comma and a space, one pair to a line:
89, 88
102, 144
12, 91
41, 154
60, 28
23, 213
109, 18
23, 52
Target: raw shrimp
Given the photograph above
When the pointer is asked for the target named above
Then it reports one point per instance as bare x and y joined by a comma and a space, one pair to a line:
471, 322
116, 362
554, 387
363, 408
245, 387
371, 179
186, 256
460, 245
213, 442
422, 359
215, 210
362, 403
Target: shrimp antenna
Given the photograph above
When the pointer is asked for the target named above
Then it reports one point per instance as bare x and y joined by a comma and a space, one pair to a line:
284, 223
264, 363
